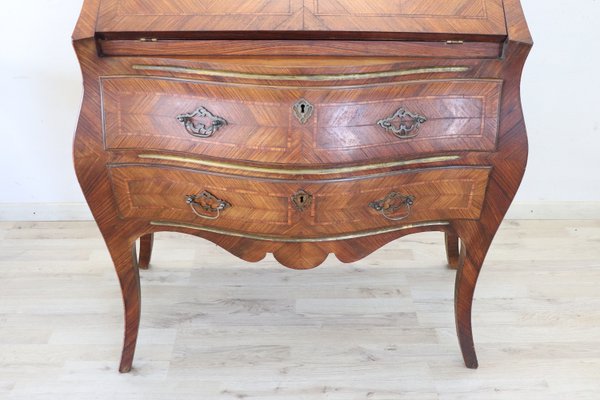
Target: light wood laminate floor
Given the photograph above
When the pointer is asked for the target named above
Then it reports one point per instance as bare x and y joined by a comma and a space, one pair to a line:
215, 327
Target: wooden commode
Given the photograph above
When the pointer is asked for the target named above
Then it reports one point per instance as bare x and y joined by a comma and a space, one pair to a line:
301, 128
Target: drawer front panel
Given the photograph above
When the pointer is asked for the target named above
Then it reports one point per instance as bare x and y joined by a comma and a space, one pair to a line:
270, 207
142, 114
261, 126
460, 116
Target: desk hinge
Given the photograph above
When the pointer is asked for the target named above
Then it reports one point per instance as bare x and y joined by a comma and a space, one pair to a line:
455, 42
148, 39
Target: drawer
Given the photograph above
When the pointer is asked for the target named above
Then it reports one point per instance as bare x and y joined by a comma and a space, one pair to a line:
296, 125
295, 48
298, 209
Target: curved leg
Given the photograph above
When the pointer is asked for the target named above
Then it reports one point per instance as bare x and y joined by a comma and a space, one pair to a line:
146, 243
472, 253
125, 260
452, 250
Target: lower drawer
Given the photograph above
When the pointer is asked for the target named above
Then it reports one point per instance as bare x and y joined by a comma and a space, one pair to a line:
298, 208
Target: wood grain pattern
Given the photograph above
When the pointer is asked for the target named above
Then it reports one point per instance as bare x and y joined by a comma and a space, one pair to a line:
139, 113
452, 243
185, 15
484, 17
329, 48
146, 245
459, 17
486, 91
86, 24
516, 22
260, 206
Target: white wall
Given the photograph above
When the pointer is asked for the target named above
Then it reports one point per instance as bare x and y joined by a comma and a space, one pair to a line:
560, 92
40, 92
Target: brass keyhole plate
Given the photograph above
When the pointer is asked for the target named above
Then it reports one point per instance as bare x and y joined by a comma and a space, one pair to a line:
302, 200
303, 110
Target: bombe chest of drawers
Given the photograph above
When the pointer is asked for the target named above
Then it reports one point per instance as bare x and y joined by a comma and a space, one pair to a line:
301, 128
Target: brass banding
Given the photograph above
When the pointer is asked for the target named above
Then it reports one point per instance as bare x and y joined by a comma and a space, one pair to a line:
284, 239
283, 77
300, 171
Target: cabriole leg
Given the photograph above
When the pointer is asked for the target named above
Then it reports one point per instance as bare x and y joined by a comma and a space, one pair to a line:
452, 250
146, 243
125, 261
472, 254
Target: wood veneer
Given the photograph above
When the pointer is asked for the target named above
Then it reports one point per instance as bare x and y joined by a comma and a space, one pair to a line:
462, 115
261, 206
136, 162
380, 18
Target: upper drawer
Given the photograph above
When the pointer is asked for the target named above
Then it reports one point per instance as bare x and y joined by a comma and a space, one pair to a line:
296, 125
150, 46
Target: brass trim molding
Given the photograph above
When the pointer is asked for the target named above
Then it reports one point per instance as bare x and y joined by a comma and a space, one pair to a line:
293, 172
283, 77
283, 239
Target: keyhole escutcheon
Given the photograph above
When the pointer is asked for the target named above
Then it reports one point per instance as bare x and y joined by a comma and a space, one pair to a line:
302, 200
303, 110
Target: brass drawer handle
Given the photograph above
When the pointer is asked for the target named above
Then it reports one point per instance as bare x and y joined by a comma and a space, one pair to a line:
392, 203
208, 203
407, 125
196, 128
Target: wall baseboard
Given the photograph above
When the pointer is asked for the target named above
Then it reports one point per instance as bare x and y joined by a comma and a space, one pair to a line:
544, 210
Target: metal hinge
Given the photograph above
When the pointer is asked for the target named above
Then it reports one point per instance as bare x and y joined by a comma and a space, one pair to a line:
455, 42
148, 39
